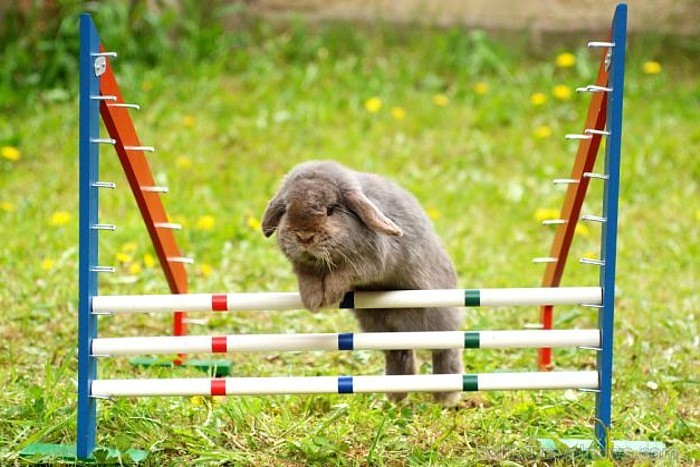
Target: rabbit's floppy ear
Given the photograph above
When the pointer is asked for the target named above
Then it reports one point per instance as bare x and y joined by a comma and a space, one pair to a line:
370, 214
274, 212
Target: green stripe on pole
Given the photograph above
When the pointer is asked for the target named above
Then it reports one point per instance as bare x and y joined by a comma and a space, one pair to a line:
472, 297
470, 382
472, 340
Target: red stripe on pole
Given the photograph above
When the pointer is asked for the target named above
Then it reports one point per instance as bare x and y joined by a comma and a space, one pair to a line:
218, 344
218, 387
219, 302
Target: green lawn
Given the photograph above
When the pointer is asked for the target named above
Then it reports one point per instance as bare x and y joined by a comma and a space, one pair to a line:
450, 116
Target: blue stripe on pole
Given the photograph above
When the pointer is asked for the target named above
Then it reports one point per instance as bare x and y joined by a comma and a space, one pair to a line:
345, 385
348, 300
346, 341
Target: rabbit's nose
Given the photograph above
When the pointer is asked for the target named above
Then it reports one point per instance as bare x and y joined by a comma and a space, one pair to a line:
305, 236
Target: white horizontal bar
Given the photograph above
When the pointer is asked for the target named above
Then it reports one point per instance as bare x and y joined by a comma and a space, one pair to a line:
576, 136
391, 299
360, 341
540, 380
331, 384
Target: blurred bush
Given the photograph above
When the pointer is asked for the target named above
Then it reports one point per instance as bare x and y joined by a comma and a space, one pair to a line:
39, 40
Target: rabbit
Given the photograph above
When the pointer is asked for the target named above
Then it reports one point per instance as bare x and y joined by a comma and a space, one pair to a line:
344, 230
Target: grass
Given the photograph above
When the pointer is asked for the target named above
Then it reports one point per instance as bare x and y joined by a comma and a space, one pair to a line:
225, 133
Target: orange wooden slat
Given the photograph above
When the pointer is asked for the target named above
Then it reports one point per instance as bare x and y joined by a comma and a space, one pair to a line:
573, 202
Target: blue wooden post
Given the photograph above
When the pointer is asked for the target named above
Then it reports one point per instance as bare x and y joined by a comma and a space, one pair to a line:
87, 280
606, 315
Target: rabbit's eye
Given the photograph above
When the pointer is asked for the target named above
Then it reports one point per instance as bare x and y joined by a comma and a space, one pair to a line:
329, 209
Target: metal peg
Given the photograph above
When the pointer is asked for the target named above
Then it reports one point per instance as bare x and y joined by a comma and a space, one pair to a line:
544, 260
585, 347
103, 227
102, 269
104, 141
553, 221
167, 225
591, 305
127, 106
111, 185
140, 148
155, 189
589, 390
595, 44
576, 136
594, 88
594, 262
103, 98
595, 175
105, 54
592, 218
100, 396
593, 131
564, 181
181, 259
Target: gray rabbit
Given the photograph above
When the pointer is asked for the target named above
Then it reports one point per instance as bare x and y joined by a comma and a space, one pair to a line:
344, 230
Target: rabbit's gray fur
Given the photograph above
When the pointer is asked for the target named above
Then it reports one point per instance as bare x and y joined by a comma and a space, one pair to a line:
377, 237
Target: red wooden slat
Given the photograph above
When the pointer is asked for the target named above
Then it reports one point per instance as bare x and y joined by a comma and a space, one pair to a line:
135, 164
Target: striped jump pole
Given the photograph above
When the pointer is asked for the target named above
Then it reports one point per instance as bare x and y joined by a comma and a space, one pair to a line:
124, 304
115, 346
584, 380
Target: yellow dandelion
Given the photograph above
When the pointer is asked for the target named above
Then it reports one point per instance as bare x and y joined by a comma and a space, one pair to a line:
188, 121
565, 60
10, 153
433, 213
135, 269
60, 218
129, 247
196, 401
7, 206
206, 270
123, 258
545, 214
590, 255
542, 132
47, 264
183, 162
253, 223
697, 215
205, 223
582, 230
651, 68
398, 113
441, 100
148, 260
538, 99
481, 88
373, 104
146, 86
562, 92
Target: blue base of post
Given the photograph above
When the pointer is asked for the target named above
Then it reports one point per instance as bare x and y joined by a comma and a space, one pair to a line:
620, 448
67, 452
